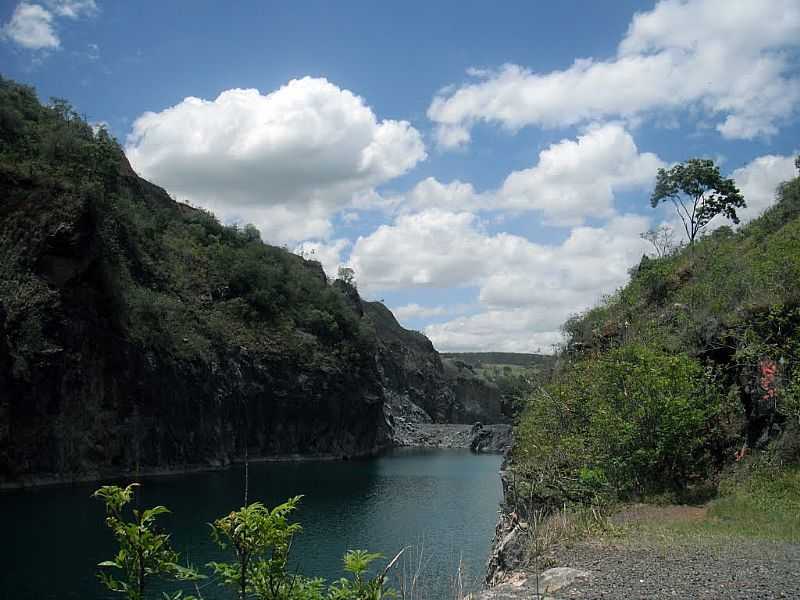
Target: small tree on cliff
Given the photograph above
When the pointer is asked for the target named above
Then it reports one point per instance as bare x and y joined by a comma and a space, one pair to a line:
347, 275
699, 193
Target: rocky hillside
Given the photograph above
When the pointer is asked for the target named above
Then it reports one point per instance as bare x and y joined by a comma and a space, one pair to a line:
415, 373
140, 334
687, 369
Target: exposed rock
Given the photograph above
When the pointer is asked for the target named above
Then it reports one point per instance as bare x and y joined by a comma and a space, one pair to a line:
509, 549
413, 370
523, 586
88, 400
476, 398
496, 439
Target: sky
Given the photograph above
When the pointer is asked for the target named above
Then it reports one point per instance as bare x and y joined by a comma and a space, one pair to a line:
484, 168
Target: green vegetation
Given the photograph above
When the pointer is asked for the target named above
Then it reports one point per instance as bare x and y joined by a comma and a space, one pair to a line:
143, 552
260, 540
632, 420
699, 193
176, 281
514, 373
756, 501
483, 359
688, 368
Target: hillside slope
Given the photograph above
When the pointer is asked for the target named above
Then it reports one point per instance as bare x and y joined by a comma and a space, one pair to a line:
692, 365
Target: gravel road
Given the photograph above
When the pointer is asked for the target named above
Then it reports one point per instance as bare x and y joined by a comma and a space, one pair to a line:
731, 571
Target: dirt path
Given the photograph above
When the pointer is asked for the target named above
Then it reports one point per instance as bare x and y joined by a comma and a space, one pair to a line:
645, 563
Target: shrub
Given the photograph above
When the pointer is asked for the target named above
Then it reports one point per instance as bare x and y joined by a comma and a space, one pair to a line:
629, 421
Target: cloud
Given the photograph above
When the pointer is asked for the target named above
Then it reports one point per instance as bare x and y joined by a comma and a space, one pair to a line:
528, 290
73, 9
571, 181
285, 161
728, 59
533, 286
517, 330
759, 180
433, 248
415, 311
31, 27
577, 179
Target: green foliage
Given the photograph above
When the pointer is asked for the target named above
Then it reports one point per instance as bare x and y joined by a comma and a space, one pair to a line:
627, 422
698, 192
260, 540
143, 552
174, 279
346, 275
665, 381
359, 586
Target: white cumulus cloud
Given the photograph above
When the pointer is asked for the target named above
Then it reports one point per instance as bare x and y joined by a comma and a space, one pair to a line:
72, 9
578, 179
571, 181
286, 160
31, 26
728, 58
416, 311
534, 286
758, 181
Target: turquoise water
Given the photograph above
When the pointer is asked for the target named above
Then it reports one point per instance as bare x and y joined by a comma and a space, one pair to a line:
442, 503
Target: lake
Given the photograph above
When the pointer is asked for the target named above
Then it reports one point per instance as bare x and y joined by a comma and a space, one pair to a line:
442, 503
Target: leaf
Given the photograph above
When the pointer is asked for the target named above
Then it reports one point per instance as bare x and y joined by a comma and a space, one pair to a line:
109, 563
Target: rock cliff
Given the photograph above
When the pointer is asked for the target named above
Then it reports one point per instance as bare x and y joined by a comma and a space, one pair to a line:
82, 394
413, 371
139, 334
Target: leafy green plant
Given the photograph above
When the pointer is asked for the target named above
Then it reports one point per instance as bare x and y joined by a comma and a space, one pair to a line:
359, 586
629, 421
143, 552
260, 540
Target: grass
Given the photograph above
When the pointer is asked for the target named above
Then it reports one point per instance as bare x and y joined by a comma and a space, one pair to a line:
758, 503
545, 530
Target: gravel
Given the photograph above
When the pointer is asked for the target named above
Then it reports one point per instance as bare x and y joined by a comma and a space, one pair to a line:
734, 569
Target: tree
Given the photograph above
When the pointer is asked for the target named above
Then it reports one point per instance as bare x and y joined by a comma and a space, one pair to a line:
662, 238
699, 193
143, 552
347, 275
260, 539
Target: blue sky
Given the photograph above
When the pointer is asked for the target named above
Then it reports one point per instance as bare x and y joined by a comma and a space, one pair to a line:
483, 167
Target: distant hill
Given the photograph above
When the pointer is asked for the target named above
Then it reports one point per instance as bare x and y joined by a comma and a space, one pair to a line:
482, 359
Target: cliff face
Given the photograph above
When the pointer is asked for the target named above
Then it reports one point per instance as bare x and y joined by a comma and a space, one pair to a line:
140, 334
81, 394
414, 372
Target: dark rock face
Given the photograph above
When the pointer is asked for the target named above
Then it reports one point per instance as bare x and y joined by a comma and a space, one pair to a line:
492, 439
90, 402
476, 398
80, 397
85, 414
413, 370
509, 550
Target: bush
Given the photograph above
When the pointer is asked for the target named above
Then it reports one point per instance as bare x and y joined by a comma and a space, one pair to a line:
260, 541
627, 422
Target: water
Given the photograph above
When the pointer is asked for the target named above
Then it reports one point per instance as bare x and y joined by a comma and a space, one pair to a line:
442, 502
